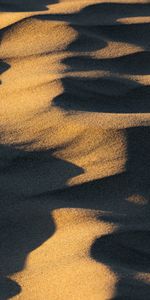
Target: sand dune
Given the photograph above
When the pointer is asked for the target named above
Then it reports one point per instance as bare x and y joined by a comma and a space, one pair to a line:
74, 149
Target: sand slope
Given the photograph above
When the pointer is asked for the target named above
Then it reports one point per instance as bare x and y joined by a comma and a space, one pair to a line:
74, 149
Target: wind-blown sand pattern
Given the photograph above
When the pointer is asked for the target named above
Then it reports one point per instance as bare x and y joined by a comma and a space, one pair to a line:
75, 149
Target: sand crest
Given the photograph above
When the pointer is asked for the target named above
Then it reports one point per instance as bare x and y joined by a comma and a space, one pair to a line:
74, 149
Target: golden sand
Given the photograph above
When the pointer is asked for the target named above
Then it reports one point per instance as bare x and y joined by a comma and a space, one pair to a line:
74, 153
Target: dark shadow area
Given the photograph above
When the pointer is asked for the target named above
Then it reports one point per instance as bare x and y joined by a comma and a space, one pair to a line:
3, 67
111, 194
108, 94
130, 250
24, 5
25, 223
103, 13
8, 288
133, 289
136, 34
127, 250
34, 183
133, 64
105, 94
126, 253
112, 93
106, 27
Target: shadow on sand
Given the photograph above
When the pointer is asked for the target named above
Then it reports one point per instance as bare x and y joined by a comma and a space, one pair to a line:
24, 5
3, 67
25, 222
36, 176
123, 200
111, 93
127, 251
106, 94
34, 183
103, 14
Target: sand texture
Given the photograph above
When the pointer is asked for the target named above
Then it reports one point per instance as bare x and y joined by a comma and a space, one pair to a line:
75, 149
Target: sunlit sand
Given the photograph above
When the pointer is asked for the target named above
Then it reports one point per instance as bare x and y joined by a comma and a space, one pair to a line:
74, 149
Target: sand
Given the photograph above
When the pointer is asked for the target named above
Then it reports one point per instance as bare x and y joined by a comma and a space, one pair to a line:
75, 149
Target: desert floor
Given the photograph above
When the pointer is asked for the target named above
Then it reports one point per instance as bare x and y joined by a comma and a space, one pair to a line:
75, 149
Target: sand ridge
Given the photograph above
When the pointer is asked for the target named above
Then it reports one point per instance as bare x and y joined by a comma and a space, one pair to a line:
74, 153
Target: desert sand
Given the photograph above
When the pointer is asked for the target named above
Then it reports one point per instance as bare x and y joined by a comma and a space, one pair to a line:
75, 149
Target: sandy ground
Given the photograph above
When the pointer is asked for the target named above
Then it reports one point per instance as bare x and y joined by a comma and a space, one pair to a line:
74, 149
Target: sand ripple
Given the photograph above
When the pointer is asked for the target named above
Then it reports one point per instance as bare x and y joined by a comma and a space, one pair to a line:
75, 143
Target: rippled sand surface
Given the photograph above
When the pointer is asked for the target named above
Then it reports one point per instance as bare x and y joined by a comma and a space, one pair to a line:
75, 149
